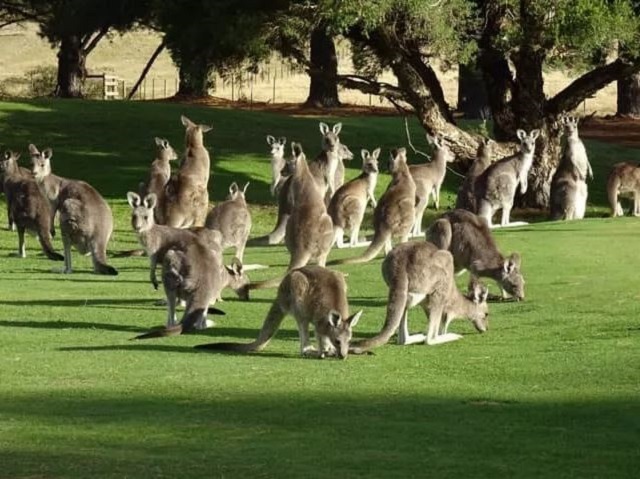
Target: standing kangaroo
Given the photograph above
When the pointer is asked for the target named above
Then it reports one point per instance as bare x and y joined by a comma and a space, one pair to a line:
277, 163
496, 186
159, 175
313, 295
418, 273
29, 210
344, 153
568, 185
624, 179
232, 219
330, 155
469, 239
16, 170
428, 178
86, 221
186, 194
394, 214
348, 204
466, 199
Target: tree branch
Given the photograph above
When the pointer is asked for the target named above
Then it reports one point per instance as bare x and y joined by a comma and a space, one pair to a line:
372, 87
89, 43
146, 68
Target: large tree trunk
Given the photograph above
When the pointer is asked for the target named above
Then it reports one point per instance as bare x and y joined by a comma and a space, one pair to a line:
472, 95
629, 96
323, 91
71, 68
195, 78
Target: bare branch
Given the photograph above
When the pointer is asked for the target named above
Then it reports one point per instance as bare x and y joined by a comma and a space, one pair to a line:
90, 44
416, 151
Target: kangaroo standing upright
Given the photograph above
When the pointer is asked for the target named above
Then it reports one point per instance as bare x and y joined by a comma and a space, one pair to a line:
428, 178
330, 155
17, 170
277, 163
466, 199
624, 180
29, 210
568, 185
496, 187
86, 221
348, 204
187, 197
159, 175
313, 295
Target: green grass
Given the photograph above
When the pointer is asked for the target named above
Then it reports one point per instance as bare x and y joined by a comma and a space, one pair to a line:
551, 390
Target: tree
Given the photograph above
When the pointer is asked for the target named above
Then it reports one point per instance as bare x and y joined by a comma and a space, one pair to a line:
628, 100
76, 27
472, 97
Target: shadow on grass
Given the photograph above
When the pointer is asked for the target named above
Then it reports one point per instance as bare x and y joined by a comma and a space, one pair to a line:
149, 345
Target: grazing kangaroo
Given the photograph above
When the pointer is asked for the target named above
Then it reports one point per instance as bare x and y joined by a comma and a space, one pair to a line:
23, 172
159, 175
277, 163
348, 204
496, 186
186, 195
232, 219
568, 185
394, 214
428, 178
313, 295
86, 221
29, 210
197, 276
469, 239
418, 273
624, 179
466, 199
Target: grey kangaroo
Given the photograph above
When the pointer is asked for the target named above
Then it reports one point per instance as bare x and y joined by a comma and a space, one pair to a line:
86, 221
330, 155
314, 296
418, 273
23, 172
159, 175
277, 163
624, 180
469, 239
466, 199
28, 208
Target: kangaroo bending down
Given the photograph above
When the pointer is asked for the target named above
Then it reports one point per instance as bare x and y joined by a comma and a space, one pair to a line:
496, 186
348, 204
418, 273
29, 210
277, 163
624, 180
466, 198
159, 175
232, 219
428, 178
15, 171
186, 194
86, 221
568, 185
394, 214
313, 295
469, 239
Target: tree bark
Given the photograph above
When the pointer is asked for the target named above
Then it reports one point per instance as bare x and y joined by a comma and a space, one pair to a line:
629, 96
71, 68
323, 90
195, 78
472, 95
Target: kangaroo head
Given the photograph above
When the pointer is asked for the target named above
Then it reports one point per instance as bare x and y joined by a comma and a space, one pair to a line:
341, 331
165, 150
41, 162
142, 211
238, 280
277, 145
370, 161
194, 132
511, 278
397, 160
440, 148
235, 191
330, 138
479, 315
291, 163
344, 153
485, 148
528, 141
9, 161
569, 126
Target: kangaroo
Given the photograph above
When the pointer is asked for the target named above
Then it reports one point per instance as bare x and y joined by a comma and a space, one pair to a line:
348, 204
330, 156
159, 174
496, 186
233, 219
568, 185
344, 153
196, 275
314, 296
624, 179
466, 199
16, 170
468, 237
86, 221
394, 214
428, 178
186, 195
418, 273
277, 163
29, 210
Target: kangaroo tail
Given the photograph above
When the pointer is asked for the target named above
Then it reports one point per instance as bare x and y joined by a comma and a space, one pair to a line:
267, 332
186, 325
268, 284
440, 233
45, 242
371, 252
613, 183
129, 253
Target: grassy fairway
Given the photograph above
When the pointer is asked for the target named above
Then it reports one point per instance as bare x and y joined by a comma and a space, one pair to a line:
552, 390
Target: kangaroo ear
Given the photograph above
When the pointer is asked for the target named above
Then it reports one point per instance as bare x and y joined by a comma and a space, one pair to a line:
282, 140
515, 260
233, 188
270, 140
133, 199
337, 128
33, 150
534, 134
334, 318
296, 149
186, 122
236, 267
324, 128
150, 201
205, 128
521, 134
365, 154
159, 142
47, 153
244, 190
375, 153
354, 318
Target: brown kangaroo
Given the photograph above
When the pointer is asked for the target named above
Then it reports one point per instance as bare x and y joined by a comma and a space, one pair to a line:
466, 199
624, 179
159, 175
25, 173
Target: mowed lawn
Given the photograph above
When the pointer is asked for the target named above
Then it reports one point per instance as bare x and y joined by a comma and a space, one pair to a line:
551, 390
